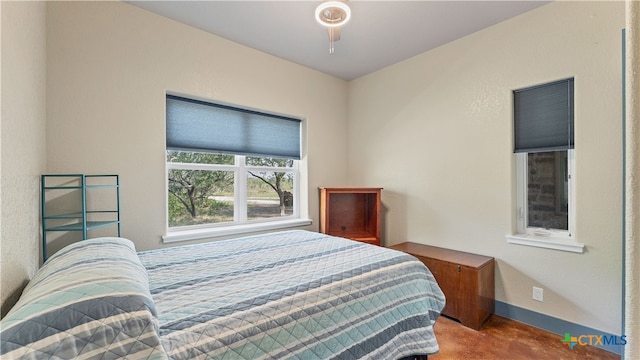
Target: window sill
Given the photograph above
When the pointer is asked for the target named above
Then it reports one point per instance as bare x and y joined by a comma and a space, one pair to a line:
195, 234
546, 242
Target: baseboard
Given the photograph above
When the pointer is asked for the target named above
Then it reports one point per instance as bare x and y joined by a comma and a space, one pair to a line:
558, 326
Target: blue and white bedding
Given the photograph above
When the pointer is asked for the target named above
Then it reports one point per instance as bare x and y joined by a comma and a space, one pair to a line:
89, 301
294, 294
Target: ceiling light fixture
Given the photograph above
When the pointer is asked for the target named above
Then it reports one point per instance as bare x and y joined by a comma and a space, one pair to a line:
333, 14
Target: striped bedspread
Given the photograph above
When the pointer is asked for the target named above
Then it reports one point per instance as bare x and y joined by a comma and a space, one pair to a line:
293, 294
89, 301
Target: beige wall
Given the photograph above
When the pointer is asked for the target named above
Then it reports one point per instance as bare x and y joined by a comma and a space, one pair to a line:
22, 141
109, 65
436, 132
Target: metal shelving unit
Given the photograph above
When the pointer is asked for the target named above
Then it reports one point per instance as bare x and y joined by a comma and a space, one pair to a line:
55, 218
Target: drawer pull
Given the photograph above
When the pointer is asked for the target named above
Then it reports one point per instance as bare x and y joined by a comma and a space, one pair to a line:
459, 267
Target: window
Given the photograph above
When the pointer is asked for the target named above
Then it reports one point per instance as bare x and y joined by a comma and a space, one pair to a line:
545, 176
545, 196
229, 170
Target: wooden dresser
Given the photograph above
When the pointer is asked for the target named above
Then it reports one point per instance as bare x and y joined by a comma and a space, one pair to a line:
467, 281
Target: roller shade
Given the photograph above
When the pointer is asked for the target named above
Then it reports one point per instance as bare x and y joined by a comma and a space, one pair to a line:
194, 125
543, 117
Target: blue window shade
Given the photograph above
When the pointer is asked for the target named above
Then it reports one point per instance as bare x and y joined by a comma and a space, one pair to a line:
543, 117
200, 126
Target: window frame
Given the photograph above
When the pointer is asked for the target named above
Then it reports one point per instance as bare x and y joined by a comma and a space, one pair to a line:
240, 224
200, 231
537, 112
522, 203
535, 236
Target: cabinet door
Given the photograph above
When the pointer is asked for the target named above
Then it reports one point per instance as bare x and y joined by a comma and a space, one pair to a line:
469, 315
448, 278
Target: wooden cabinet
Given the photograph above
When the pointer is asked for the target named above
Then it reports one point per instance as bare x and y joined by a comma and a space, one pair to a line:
352, 213
467, 281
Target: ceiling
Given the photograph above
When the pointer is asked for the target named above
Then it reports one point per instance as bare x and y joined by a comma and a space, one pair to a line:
379, 34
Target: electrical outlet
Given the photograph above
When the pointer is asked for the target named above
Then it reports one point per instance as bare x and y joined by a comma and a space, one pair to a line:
538, 293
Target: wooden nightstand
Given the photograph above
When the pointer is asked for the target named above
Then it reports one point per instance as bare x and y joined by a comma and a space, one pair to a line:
467, 281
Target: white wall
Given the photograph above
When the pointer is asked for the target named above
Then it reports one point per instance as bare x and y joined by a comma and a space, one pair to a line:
436, 132
22, 141
109, 65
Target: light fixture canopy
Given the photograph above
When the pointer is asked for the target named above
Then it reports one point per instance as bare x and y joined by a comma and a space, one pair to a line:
333, 13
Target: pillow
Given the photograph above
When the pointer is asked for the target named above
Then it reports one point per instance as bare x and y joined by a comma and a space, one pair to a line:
90, 299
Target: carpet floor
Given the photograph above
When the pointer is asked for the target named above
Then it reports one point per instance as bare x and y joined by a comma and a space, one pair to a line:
501, 338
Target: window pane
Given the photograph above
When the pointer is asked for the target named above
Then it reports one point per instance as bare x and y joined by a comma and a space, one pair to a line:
269, 194
200, 197
199, 158
270, 162
548, 190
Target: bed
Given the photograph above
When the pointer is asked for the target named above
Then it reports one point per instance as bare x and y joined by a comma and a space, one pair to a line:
292, 294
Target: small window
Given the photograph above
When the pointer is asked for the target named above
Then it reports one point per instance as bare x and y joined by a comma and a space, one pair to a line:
544, 148
228, 166
548, 190
545, 193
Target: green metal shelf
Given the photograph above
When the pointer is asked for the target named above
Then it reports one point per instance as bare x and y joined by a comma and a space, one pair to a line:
79, 220
75, 215
79, 226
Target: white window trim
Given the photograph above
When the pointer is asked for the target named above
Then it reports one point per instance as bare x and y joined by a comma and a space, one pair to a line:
240, 223
554, 243
212, 232
538, 237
